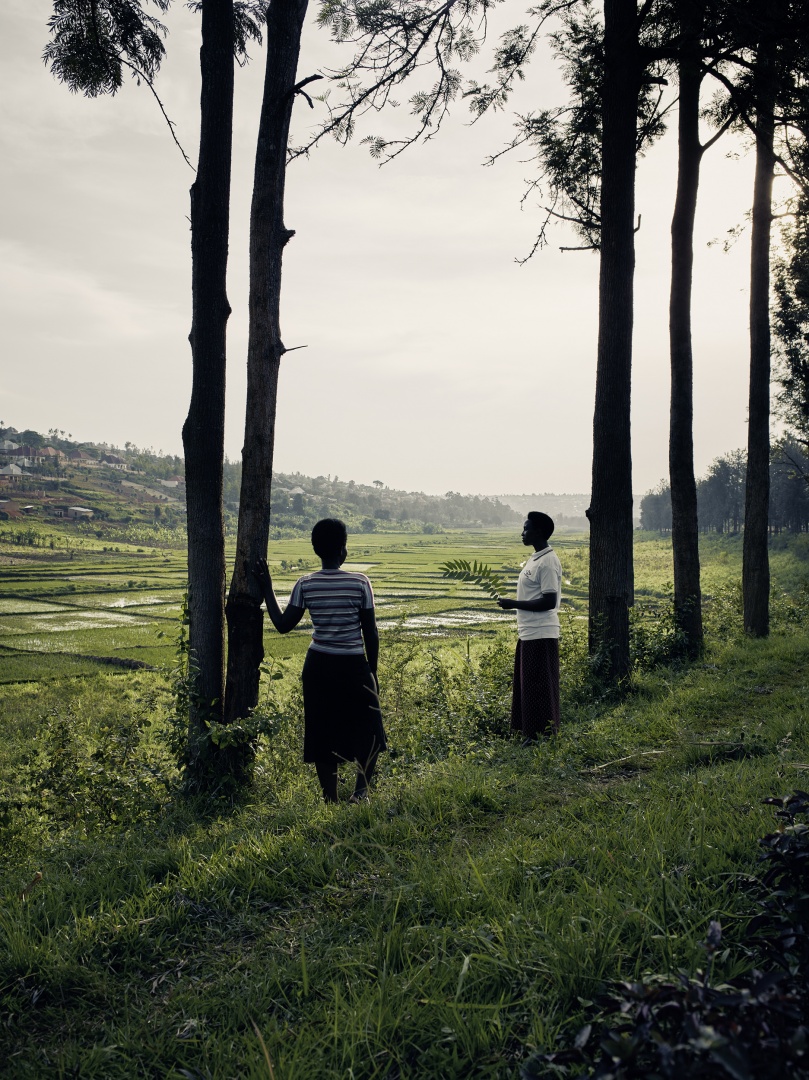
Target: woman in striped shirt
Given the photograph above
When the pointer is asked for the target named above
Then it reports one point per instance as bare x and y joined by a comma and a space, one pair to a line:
343, 720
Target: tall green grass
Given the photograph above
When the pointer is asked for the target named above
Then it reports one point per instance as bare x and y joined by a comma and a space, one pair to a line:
463, 918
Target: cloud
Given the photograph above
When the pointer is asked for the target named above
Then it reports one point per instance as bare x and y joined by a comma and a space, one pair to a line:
69, 305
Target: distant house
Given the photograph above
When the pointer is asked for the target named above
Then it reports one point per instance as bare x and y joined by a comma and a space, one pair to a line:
114, 462
81, 457
79, 513
28, 509
12, 474
6, 446
33, 454
173, 482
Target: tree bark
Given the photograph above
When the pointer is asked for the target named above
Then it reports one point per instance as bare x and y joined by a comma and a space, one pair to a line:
268, 236
684, 520
611, 583
204, 428
755, 557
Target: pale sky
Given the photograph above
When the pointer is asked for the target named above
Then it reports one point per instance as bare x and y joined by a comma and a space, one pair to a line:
434, 361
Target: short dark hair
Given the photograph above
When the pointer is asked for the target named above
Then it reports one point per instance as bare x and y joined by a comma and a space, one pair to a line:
541, 522
329, 537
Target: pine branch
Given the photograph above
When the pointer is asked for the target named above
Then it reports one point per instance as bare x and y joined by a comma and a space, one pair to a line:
476, 574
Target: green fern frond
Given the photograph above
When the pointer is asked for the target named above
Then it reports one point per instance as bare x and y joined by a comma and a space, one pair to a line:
474, 573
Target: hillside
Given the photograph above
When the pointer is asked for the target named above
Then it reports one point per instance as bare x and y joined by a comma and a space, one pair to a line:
567, 510
132, 488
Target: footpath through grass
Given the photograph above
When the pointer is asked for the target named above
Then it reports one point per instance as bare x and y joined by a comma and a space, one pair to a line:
462, 919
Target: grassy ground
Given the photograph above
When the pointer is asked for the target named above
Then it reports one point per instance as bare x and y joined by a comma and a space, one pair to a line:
463, 918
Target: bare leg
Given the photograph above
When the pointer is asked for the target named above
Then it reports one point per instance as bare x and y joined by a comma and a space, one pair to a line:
364, 774
327, 775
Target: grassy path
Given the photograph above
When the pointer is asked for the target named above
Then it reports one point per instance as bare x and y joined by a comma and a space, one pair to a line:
459, 921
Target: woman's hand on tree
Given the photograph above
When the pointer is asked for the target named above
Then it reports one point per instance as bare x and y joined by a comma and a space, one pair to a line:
261, 572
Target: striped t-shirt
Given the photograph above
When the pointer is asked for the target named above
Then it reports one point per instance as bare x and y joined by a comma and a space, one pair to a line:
334, 599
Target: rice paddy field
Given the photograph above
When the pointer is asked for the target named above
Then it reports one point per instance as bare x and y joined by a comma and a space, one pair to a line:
69, 610
93, 609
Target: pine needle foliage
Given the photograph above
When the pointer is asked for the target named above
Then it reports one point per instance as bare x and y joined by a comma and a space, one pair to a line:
475, 573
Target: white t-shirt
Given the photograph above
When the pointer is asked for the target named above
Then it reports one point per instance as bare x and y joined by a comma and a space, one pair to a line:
541, 574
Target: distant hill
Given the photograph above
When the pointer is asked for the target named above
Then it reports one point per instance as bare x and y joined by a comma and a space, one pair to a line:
567, 511
131, 486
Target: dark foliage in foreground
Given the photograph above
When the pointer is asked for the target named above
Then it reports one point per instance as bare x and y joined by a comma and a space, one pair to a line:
685, 1028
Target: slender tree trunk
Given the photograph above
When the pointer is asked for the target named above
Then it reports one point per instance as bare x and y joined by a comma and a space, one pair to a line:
268, 236
684, 521
204, 428
611, 585
755, 559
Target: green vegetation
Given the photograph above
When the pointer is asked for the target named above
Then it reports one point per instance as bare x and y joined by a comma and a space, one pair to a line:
138, 496
720, 493
458, 923
121, 602
475, 573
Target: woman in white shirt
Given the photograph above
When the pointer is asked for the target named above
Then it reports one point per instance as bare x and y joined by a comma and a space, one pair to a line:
535, 695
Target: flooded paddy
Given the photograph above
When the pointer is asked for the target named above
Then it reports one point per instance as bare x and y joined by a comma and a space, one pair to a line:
66, 617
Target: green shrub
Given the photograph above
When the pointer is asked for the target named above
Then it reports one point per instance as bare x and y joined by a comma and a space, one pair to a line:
686, 1028
111, 777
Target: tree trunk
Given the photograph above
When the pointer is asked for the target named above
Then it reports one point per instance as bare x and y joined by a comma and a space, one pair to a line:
204, 428
611, 585
268, 235
684, 520
755, 559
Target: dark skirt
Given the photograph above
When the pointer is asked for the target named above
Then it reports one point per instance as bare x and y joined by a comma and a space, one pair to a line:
343, 719
535, 697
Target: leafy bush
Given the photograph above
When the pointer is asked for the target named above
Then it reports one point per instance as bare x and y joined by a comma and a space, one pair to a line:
722, 612
686, 1029
655, 637
756, 1028
781, 929
114, 778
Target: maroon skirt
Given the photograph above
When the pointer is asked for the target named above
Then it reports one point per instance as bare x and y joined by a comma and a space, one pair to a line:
535, 696
342, 717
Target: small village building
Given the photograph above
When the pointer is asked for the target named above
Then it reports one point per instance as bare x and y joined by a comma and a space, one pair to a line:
12, 474
79, 513
28, 509
32, 454
6, 446
114, 462
81, 457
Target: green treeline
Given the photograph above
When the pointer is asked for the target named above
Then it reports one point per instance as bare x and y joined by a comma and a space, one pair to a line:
721, 493
298, 501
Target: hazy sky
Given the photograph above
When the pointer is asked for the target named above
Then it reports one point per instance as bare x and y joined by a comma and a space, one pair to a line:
434, 361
